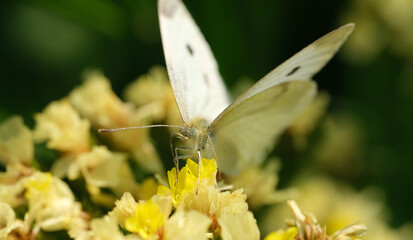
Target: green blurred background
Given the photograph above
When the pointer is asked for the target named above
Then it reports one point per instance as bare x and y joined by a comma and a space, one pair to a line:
46, 45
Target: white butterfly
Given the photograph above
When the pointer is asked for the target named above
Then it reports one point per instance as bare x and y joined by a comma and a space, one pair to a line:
241, 133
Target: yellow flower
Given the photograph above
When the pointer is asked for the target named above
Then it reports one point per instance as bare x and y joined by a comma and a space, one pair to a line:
16, 142
96, 101
208, 170
40, 184
125, 208
104, 229
287, 234
62, 127
147, 220
228, 212
188, 179
186, 183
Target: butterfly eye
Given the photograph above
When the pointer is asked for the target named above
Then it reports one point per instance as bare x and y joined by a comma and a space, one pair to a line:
189, 48
193, 133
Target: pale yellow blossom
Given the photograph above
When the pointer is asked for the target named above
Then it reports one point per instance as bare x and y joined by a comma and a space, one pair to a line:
51, 204
63, 129
214, 203
154, 91
105, 228
337, 206
96, 101
259, 185
12, 186
125, 208
8, 221
187, 225
103, 168
228, 211
164, 203
16, 142
242, 226
310, 229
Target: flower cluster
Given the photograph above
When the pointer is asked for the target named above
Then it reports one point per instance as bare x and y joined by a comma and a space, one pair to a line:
191, 207
64, 180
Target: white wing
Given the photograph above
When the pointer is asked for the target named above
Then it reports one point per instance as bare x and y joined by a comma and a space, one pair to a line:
193, 71
249, 127
245, 134
304, 64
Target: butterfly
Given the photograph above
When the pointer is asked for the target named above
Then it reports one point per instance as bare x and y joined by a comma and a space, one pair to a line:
238, 134
241, 133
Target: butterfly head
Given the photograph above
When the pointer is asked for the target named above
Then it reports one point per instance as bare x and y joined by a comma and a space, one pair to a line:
194, 129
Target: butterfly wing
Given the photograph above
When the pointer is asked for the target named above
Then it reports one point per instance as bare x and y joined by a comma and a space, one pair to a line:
304, 64
244, 133
193, 71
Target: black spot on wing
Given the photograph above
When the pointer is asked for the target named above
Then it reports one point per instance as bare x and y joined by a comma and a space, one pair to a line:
168, 7
189, 48
293, 71
206, 79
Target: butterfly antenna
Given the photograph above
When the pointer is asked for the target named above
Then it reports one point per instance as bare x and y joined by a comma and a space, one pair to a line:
104, 130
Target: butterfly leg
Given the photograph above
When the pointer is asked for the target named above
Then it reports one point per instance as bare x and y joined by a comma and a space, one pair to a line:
174, 151
175, 154
178, 157
199, 169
